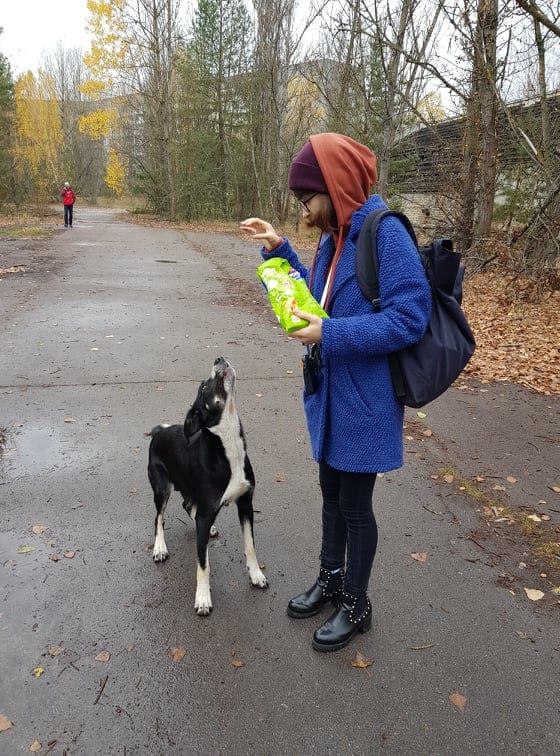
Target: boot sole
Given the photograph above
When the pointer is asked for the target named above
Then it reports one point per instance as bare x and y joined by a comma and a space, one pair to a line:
327, 647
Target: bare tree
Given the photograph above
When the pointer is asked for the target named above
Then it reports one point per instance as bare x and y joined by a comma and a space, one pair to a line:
274, 48
147, 84
83, 159
539, 14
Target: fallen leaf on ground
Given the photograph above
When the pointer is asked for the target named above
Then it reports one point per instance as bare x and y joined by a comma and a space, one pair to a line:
5, 723
54, 557
511, 479
458, 701
534, 518
25, 549
556, 489
37, 672
421, 556
237, 663
35, 746
103, 656
176, 654
39, 529
497, 487
69, 420
55, 650
421, 414
449, 478
534, 594
361, 661
69, 554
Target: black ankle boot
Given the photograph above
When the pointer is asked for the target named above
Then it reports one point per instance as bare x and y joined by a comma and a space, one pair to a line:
352, 616
328, 587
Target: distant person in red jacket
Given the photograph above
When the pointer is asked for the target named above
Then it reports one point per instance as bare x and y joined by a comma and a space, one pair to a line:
68, 199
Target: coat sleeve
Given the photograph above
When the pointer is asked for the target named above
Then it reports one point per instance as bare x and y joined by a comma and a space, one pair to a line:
405, 302
286, 251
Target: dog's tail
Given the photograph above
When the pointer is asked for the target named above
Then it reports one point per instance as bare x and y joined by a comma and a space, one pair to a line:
157, 429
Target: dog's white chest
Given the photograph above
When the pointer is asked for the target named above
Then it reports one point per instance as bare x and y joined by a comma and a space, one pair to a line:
229, 431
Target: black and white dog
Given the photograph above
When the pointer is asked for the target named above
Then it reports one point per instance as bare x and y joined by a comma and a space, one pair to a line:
206, 461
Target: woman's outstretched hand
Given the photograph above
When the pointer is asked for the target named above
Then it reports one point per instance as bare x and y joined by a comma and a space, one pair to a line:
262, 231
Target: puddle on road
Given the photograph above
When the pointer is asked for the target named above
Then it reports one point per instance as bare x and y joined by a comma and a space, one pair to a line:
32, 450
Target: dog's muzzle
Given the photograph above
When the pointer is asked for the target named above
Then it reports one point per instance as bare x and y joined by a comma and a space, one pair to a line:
223, 369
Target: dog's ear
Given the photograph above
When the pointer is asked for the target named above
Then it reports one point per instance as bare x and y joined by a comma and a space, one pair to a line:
192, 422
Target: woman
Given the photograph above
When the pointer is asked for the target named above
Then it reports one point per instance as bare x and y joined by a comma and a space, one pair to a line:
354, 419
68, 199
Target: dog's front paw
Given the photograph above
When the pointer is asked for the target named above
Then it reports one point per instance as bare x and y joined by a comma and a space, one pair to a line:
258, 578
203, 605
160, 552
160, 555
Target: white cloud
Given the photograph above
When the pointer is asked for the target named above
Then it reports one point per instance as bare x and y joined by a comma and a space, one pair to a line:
35, 27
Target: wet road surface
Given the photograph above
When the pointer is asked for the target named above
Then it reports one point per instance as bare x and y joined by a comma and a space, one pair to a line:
108, 332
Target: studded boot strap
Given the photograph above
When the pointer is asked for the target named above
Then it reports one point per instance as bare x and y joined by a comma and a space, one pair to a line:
358, 607
330, 582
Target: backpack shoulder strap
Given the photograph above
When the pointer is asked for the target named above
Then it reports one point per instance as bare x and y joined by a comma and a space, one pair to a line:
367, 260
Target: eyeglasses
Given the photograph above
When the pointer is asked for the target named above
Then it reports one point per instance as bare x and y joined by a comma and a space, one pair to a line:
304, 202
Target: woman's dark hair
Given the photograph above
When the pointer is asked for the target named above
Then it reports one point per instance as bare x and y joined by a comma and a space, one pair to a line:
325, 217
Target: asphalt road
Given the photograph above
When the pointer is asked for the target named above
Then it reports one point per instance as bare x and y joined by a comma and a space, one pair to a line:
108, 331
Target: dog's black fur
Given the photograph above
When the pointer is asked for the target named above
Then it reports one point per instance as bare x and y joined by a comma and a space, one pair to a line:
206, 461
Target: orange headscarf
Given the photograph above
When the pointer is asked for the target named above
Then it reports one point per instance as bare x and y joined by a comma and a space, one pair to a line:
349, 170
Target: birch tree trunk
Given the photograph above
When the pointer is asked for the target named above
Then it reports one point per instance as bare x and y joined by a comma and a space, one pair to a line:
486, 109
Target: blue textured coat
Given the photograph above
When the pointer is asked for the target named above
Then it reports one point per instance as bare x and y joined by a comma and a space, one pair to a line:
354, 419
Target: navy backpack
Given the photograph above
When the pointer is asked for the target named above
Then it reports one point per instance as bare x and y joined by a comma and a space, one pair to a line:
423, 371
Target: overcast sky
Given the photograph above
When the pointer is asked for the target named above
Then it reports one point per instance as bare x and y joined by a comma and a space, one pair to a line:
34, 27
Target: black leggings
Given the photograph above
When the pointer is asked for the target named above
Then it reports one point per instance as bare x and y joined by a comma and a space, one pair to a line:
349, 526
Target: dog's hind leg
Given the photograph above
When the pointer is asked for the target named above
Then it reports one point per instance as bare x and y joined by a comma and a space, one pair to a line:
191, 510
245, 512
203, 597
162, 491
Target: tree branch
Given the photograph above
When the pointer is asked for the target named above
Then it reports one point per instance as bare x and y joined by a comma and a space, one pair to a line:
533, 10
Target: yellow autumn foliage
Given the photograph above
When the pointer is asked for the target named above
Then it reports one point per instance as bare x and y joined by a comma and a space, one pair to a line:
98, 123
107, 55
38, 134
92, 88
107, 27
431, 108
304, 105
115, 173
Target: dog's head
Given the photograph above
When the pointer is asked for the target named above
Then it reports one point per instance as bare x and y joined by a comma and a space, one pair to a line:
213, 396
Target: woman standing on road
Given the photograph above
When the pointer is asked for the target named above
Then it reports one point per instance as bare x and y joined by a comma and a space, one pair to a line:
68, 199
354, 419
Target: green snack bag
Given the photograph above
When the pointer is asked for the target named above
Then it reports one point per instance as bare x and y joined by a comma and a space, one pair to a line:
287, 291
